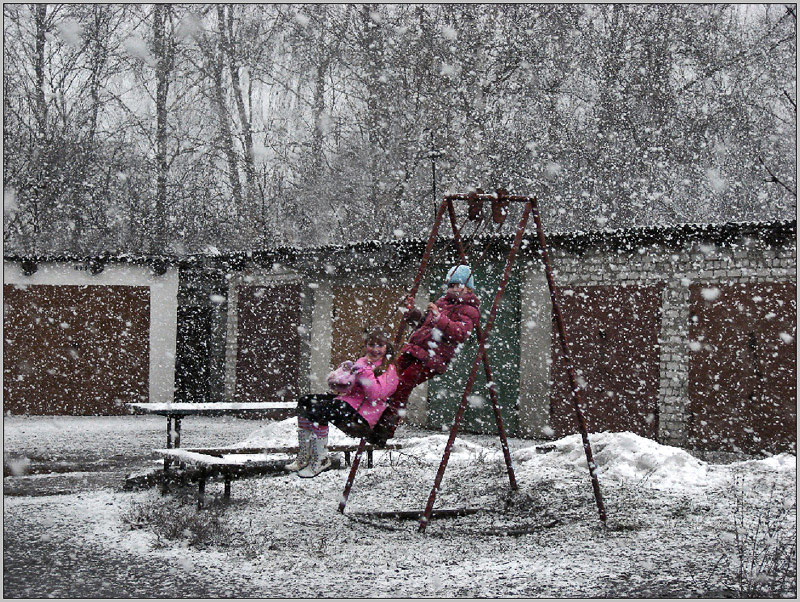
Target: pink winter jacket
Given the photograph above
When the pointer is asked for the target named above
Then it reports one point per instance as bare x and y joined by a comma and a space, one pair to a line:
369, 393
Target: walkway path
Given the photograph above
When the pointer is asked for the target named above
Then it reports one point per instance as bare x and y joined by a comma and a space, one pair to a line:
48, 554
45, 555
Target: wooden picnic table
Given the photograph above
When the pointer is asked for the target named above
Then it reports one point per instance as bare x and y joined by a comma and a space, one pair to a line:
176, 411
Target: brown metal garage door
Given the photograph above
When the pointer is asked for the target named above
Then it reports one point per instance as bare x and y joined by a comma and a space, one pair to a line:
75, 350
356, 308
613, 332
742, 369
268, 356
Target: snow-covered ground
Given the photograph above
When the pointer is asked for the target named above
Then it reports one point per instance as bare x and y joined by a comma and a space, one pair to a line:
677, 526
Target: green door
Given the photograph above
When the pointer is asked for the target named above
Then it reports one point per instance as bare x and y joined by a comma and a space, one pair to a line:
445, 391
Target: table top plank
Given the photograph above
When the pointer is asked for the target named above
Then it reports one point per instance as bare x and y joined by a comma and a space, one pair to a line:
212, 409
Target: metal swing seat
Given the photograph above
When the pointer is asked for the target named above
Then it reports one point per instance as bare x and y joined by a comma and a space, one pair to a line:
499, 202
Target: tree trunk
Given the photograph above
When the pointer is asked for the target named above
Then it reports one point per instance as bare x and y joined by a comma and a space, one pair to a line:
376, 115
318, 109
223, 116
163, 52
98, 62
38, 67
247, 133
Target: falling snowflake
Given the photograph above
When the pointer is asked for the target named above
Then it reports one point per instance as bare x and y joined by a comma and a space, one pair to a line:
449, 33
476, 401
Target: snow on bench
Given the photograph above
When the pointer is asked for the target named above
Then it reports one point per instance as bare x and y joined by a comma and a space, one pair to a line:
230, 462
213, 408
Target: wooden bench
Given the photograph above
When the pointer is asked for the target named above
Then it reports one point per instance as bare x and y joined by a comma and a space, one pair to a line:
176, 411
232, 462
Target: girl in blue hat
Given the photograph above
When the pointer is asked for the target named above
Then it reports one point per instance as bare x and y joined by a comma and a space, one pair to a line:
447, 323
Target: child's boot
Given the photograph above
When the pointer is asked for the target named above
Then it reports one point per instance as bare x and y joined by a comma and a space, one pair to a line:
319, 460
303, 451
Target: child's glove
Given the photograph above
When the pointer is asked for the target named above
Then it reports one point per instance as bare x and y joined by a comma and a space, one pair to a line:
413, 317
341, 380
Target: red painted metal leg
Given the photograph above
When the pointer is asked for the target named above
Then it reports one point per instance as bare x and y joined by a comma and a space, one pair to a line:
423, 523
352, 476
576, 397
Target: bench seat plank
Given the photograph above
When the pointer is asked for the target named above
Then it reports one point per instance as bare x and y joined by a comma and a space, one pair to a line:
290, 449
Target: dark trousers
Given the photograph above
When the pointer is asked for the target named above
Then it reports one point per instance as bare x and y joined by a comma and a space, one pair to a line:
323, 408
411, 373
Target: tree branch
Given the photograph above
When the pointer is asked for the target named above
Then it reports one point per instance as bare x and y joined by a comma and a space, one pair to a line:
791, 102
776, 179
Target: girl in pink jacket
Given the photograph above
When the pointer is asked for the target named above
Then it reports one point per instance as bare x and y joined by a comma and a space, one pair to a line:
362, 389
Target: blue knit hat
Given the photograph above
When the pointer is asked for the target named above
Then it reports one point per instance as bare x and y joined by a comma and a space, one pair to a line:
461, 274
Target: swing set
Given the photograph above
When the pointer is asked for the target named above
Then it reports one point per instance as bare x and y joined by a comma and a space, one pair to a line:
499, 203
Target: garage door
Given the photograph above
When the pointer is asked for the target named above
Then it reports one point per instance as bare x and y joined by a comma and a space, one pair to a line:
268, 350
356, 308
75, 350
445, 391
613, 332
742, 368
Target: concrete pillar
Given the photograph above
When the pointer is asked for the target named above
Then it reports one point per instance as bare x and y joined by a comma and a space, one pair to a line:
231, 344
321, 338
535, 355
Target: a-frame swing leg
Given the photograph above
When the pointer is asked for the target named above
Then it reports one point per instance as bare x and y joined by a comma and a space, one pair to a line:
562, 334
423, 523
487, 368
397, 338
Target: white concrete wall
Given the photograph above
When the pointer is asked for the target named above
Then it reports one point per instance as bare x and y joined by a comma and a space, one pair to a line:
163, 307
535, 354
321, 338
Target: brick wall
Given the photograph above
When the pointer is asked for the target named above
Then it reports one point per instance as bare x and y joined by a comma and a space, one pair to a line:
695, 259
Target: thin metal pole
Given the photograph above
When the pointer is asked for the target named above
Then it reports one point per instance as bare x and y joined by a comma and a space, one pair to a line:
352, 476
562, 335
426, 255
433, 167
423, 523
489, 378
167, 461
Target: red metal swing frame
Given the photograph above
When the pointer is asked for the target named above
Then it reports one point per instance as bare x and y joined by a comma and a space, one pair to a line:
499, 200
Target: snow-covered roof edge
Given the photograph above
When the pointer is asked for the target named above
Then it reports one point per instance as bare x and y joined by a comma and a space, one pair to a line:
780, 229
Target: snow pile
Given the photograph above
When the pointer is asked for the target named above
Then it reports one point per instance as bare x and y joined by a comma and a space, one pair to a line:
284, 433
782, 462
430, 449
623, 457
427, 449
